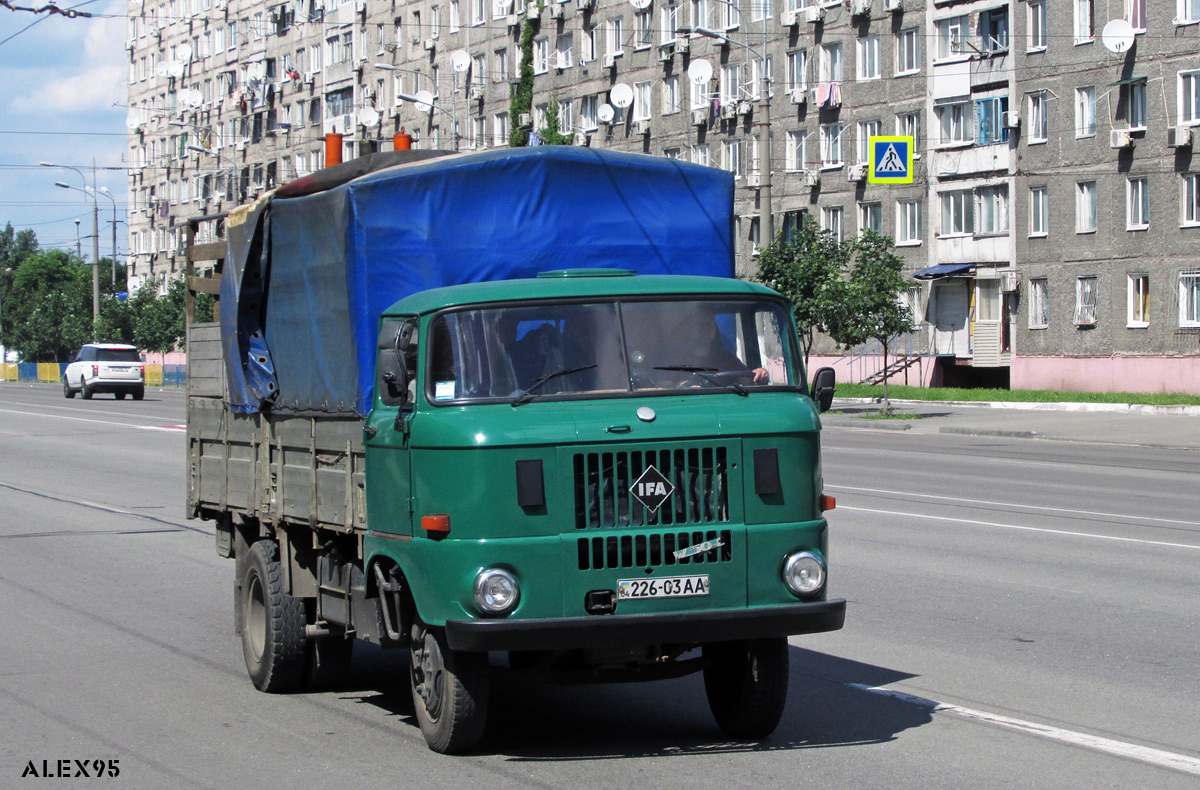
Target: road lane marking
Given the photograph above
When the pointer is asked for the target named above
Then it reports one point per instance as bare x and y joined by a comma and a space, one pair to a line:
1018, 526
87, 419
1017, 505
1131, 751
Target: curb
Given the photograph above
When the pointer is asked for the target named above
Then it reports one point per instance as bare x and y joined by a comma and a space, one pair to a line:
1113, 408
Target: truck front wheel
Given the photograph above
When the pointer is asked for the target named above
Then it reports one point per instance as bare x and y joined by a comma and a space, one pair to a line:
746, 683
273, 639
449, 691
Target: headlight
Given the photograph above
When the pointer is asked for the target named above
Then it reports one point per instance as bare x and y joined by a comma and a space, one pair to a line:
496, 591
803, 573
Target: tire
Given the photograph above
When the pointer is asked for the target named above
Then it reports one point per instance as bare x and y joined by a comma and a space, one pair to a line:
746, 683
139, 393
328, 662
119, 395
449, 691
273, 639
84, 389
67, 391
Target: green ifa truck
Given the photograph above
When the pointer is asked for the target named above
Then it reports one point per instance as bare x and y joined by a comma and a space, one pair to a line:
511, 411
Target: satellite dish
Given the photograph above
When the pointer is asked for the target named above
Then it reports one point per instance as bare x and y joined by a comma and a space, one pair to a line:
460, 60
132, 121
640, 3
368, 116
161, 68
700, 71
606, 113
257, 70
183, 52
423, 101
621, 95
195, 97
175, 69
1117, 36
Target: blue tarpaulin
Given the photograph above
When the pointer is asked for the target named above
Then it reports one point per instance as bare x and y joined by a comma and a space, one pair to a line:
311, 275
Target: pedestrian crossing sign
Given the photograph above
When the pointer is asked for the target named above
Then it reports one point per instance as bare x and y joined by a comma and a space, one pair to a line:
891, 160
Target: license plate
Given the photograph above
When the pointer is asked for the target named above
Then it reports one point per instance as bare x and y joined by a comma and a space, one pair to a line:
667, 587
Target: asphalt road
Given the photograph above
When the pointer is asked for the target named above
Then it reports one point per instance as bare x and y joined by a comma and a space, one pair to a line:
1023, 613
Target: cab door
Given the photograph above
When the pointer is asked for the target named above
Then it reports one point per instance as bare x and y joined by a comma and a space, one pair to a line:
386, 431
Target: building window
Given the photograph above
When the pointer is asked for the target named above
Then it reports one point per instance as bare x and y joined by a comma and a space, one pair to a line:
796, 153
1039, 123
1086, 300
1189, 298
701, 154
1039, 305
1137, 213
867, 130
870, 216
1135, 104
616, 30
1039, 212
643, 26
1191, 200
760, 10
1136, 14
566, 116
500, 129
564, 54
993, 26
830, 66
1083, 21
908, 51
987, 300
731, 156
698, 95
500, 64
731, 83
909, 124
993, 209
908, 222
831, 220
1036, 17
587, 44
730, 15
670, 23
541, 55
797, 70
699, 13
1085, 112
670, 95
952, 35
990, 113
868, 58
1139, 301
958, 212
831, 145
1086, 219
1189, 96
954, 121
1187, 11
641, 101
588, 108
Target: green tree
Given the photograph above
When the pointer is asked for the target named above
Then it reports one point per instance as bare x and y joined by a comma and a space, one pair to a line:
49, 306
874, 309
808, 268
550, 133
15, 247
521, 97
159, 322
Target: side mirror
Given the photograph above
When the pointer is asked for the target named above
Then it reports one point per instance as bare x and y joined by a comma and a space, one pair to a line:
391, 372
823, 387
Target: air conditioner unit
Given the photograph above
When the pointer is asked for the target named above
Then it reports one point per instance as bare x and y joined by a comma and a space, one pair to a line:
1120, 138
814, 14
586, 5
556, 10
241, 145
728, 110
475, 92
428, 44
699, 117
610, 61
812, 178
744, 108
1012, 119
513, 20
1009, 281
682, 45
860, 7
799, 95
524, 120
664, 53
855, 173
532, 10
1179, 136
581, 138
753, 179
788, 18
641, 127
360, 6
892, 5
416, 39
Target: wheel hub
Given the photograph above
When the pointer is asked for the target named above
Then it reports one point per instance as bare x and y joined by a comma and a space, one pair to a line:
427, 668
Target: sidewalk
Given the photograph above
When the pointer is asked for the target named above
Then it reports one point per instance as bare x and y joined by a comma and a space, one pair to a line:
1149, 426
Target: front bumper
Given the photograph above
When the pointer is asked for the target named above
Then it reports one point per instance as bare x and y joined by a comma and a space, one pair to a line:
597, 631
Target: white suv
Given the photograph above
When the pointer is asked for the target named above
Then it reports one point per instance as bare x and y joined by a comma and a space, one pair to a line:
106, 367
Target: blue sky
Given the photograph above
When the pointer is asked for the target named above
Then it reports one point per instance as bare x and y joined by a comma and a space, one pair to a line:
62, 91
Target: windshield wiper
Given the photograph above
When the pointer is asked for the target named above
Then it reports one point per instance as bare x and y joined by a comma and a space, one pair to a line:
528, 394
706, 374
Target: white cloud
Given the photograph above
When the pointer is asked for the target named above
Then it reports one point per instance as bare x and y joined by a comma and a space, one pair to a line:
95, 84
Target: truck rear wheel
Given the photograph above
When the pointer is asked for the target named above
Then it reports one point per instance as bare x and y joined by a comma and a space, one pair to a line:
273, 639
746, 683
449, 691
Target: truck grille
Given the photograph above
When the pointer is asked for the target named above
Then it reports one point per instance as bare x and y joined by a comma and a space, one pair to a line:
603, 480
646, 551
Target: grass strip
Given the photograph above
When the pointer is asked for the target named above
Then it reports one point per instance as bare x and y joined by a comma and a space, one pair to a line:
848, 390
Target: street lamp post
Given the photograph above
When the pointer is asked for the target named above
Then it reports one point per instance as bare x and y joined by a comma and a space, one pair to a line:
95, 246
453, 112
104, 191
766, 219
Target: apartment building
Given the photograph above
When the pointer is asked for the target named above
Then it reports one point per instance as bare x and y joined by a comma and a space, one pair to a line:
1020, 209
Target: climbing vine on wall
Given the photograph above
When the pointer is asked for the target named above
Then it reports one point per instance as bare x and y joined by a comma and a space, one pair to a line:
522, 93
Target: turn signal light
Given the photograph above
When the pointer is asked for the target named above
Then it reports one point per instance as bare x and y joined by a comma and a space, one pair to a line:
438, 523
827, 502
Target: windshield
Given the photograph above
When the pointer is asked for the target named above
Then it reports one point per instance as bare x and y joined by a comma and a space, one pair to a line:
552, 350
117, 355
